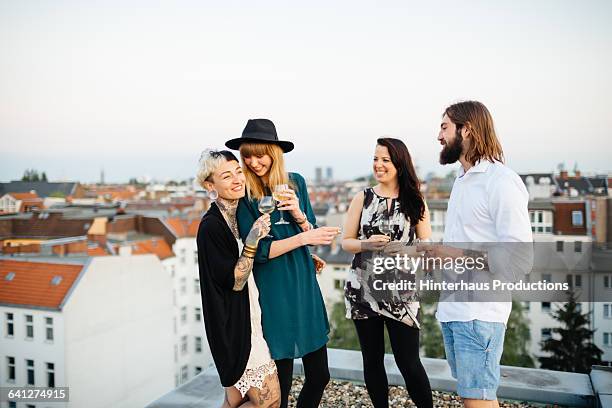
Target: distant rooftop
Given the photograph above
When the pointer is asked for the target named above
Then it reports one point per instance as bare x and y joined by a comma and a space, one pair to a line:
36, 284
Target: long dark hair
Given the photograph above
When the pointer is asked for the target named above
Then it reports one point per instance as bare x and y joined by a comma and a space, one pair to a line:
412, 204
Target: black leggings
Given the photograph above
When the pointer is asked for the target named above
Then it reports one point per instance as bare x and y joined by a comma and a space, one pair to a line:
405, 345
316, 375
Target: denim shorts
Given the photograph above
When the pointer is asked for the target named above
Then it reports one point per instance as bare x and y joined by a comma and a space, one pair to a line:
473, 351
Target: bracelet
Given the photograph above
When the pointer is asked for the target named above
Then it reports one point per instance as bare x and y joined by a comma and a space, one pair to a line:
249, 251
302, 221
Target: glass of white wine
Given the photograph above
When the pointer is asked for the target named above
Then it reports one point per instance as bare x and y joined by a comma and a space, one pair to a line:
280, 194
266, 206
385, 225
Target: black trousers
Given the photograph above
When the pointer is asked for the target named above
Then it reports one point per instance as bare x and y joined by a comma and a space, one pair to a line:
405, 345
316, 375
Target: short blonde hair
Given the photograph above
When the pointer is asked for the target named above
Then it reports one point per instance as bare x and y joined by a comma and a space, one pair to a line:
210, 160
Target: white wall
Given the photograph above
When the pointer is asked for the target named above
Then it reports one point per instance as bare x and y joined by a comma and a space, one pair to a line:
38, 349
118, 333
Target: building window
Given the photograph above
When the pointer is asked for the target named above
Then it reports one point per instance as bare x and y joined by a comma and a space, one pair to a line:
50, 375
198, 344
526, 305
183, 344
546, 307
184, 374
540, 216
577, 219
10, 369
196, 286
175, 353
49, 328
546, 334
29, 326
577, 246
339, 284
578, 281
10, 325
184, 314
607, 281
607, 310
30, 372
195, 257
198, 314
607, 339
183, 285
172, 270
559, 246
183, 255
547, 277
12, 404
198, 370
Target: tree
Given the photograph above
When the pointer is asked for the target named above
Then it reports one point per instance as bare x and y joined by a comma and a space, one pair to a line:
43, 177
572, 349
343, 334
432, 342
516, 339
32, 175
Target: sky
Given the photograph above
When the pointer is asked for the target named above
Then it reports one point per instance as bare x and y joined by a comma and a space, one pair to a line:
141, 88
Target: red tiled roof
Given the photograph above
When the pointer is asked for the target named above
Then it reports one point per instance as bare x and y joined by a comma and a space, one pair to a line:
155, 246
96, 251
31, 285
23, 196
184, 227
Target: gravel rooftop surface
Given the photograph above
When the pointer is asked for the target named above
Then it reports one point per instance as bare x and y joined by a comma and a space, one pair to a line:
346, 394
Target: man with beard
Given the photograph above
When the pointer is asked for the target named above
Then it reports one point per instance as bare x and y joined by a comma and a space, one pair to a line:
488, 203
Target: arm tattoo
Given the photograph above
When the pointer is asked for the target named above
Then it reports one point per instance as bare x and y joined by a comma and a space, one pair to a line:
242, 270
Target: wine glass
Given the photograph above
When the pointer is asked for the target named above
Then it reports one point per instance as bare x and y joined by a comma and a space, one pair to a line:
385, 226
266, 206
279, 195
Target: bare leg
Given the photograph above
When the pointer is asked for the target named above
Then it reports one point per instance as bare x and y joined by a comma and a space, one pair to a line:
233, 398
474, 403
267, 397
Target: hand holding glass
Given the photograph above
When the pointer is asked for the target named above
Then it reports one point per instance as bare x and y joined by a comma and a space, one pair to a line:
279, 195
266, 206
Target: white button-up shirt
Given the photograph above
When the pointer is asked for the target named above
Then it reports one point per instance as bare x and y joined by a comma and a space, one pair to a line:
488, 203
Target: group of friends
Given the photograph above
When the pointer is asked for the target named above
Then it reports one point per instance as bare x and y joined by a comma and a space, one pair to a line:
262, 304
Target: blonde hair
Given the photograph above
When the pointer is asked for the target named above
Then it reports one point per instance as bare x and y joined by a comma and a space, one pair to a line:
276, 175
477, 119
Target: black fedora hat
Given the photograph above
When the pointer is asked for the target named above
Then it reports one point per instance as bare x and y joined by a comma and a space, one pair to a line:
259, 131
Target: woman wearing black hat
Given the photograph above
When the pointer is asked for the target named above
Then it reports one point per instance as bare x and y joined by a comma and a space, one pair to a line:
294, 319
232, 315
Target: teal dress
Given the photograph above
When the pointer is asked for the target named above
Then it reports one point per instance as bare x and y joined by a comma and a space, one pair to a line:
293, 314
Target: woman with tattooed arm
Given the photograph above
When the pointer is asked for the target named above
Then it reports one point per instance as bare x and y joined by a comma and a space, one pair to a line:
230, 300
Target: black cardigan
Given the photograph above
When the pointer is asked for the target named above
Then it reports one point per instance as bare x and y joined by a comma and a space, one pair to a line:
226, 312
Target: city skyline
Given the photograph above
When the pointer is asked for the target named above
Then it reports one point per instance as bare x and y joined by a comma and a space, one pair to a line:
140, 90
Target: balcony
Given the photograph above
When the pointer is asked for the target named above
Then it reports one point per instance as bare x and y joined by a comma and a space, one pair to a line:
518, 384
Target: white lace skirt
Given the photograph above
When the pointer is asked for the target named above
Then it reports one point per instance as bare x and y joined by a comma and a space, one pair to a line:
255, 377
260, 363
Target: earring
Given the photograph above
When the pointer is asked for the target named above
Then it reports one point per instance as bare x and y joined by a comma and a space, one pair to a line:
213, 195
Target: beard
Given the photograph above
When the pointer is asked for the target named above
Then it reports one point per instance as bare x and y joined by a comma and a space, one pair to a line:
451, 152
